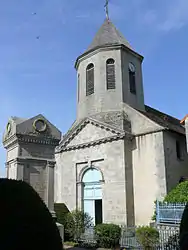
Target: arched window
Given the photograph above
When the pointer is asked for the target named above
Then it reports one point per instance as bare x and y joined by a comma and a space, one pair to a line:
110, 74
132, 78
90, 79
92, 194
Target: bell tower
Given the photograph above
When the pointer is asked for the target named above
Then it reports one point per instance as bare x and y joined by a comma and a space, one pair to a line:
109, 73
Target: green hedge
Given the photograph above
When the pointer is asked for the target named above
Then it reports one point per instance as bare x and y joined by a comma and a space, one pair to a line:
25, 219
179, 194
108, 235
147, 236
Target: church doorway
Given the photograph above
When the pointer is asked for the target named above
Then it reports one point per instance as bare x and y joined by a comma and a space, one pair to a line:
92, 194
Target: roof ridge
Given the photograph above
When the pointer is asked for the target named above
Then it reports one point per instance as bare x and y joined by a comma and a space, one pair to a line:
158, 111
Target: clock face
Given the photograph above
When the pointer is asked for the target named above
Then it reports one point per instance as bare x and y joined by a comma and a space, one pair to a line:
131, 67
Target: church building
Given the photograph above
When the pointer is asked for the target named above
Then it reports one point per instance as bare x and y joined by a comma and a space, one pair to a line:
119, 155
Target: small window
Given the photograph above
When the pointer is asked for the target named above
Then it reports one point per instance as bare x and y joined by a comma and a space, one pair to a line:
78, 87
132, 78
110, 74
132, 82
90, 79
178, 150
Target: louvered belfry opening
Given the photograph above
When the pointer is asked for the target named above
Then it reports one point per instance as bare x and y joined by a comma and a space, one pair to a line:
110, 74
90, 79
132, 82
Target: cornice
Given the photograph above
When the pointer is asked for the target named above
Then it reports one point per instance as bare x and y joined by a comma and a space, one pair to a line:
23, 160
116, 137
38, 140
106, 47
10, 141
16, 138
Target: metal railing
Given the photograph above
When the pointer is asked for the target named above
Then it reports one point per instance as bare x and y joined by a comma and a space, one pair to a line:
169, 213
168, 238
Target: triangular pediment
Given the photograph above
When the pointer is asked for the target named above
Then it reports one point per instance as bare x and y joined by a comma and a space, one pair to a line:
37, 126
88, 131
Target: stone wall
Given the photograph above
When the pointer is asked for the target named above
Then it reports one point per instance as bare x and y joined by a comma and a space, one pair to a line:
109, 158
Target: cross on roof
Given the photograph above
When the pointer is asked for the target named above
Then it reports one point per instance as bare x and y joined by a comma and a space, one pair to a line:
106, 9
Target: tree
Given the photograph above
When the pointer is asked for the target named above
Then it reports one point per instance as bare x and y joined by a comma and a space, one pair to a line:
76, 223
179, 194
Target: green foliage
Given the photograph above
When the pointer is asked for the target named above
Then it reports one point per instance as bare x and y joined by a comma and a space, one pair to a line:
154, 217
179, 194
108, 235
61, 211
76, 222
147, 236
71, 243
25, 218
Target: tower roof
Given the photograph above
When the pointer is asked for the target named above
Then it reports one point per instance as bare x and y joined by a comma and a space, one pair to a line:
108, 35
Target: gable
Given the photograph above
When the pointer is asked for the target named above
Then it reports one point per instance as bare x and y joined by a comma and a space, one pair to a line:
90, 133
140, 123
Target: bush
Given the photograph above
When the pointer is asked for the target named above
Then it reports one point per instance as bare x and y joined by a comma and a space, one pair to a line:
147, 236
179, 194
61, 211
25, 219
70, 243
108, 235
76, 222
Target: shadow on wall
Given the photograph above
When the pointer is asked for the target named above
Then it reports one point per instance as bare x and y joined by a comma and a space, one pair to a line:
176, 173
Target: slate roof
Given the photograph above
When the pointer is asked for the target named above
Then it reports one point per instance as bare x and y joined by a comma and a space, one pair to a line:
18, 120
164, 120
108, 35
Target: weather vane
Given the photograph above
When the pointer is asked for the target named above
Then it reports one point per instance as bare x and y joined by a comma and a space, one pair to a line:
106, 9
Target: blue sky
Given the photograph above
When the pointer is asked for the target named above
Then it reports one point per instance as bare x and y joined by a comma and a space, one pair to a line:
38, 75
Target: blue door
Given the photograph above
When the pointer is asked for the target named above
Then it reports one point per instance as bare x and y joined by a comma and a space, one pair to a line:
92, 192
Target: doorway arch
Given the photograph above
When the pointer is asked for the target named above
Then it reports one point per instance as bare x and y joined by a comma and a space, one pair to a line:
92, 194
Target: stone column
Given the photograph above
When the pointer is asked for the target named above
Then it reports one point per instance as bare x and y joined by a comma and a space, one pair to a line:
20, 171
50, 186
79, 195
7, 169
